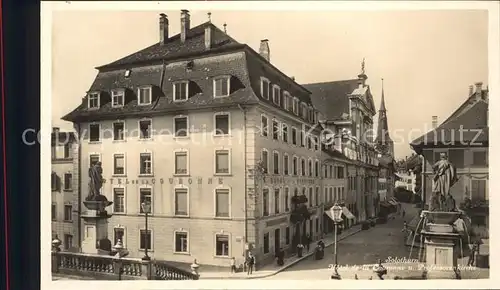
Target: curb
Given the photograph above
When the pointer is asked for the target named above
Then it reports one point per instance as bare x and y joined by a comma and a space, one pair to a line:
286, 266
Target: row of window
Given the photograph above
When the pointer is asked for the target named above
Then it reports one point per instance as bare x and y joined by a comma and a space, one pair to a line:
287, 102
280, 131
68, 212
222, 200
66, 184
145, 128
222, 162
291, 167
181, 93
281, 199
181, 241
457, 157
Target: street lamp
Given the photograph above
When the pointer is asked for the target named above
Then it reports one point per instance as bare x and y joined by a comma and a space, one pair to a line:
121, 252
146, 209
56, 243
336, 212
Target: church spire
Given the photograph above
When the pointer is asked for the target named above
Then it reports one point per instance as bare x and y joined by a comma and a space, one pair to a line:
382, 103
383, 140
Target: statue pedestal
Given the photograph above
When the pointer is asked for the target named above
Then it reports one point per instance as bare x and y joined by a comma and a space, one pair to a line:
95, 226
440, 245
441, 254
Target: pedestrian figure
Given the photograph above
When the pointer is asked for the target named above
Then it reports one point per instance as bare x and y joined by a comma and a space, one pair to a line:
308, 242
300, 249
380, 270
280, 257
472, 254
233, 265
250, 263
403, 213
356, 277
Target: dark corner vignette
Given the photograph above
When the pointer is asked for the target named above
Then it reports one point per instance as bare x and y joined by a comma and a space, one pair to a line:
20, 186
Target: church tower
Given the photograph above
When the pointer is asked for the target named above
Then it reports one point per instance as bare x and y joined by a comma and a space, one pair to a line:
383, 142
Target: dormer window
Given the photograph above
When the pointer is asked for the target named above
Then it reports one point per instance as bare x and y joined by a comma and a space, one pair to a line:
304, 111
127, 73
144, 96
181, 91
264, 88
276, 95
295, 106
94, 100
118, 98
287, 102
221, 87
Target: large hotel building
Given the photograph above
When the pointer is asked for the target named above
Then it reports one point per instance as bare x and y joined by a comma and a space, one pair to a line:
219, 141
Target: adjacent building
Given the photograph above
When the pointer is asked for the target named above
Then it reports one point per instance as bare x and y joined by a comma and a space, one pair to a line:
347, 111
64, 184
464, 138
213, 135
406, 180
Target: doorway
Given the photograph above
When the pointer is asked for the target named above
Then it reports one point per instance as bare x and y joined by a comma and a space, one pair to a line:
277, 245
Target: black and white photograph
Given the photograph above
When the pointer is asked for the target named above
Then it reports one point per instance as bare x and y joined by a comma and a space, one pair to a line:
205, 141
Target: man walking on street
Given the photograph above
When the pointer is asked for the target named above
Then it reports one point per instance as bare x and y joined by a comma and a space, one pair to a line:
250, 263
308, 242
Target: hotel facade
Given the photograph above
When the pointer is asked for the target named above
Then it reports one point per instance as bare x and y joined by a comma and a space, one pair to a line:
217, 139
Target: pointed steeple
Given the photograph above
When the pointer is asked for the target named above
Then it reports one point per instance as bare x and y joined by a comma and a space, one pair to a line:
383, 140
382, 103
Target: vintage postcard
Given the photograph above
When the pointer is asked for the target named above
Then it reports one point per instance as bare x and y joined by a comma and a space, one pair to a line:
212, 143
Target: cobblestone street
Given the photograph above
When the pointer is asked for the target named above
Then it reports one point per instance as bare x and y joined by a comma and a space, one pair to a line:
380, 242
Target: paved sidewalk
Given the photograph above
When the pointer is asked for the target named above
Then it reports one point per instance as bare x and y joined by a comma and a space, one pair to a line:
273, 269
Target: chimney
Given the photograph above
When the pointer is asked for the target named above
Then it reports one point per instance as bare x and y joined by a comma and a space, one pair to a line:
471, 90
185, 24
264, 49
208, 37
293, 78
163, 28
434, 122
55, 130
479, 90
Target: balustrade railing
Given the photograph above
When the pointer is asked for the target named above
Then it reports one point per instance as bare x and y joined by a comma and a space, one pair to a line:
107, 267
168, 272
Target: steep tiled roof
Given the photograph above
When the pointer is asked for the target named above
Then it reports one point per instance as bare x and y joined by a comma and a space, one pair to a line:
173, 48
160, 65
470, 126
332, 98
200, 78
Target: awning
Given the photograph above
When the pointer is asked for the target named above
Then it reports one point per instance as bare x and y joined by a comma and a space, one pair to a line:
392, 202
385, 204
347, 213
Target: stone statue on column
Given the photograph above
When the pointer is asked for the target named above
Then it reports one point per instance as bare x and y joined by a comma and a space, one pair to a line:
445, 176
95, 182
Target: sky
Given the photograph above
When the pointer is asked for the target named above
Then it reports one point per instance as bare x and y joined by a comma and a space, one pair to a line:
427, 58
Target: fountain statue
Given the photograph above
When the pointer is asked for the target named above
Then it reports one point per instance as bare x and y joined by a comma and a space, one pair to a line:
439, 236
96, 217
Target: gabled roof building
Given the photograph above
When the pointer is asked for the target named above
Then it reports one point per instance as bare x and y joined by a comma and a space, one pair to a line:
464, 138
214, 136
